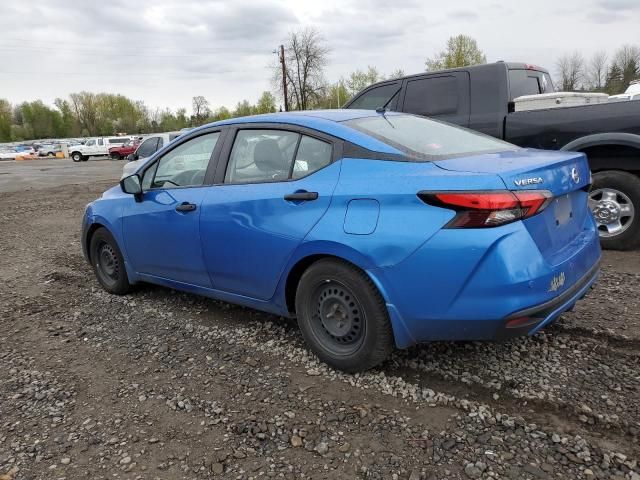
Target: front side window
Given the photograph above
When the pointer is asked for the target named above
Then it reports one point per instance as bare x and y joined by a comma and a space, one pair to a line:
185, 165
147, 148
384, 95
90, 143
422, 138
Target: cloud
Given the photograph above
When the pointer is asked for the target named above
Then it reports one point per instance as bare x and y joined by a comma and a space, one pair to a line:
463, 15
166, 51
604, 17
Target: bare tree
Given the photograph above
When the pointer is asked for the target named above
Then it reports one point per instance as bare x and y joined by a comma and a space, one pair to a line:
596, 71
627, 59
306, 56
200, 109
570, 68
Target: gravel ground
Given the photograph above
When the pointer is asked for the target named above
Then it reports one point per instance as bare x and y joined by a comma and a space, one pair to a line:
161, 384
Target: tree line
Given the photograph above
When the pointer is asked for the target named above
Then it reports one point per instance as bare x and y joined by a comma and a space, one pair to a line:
87, 114
602, 72
306, 58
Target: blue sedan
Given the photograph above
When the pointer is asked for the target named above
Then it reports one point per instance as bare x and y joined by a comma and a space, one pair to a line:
373, 229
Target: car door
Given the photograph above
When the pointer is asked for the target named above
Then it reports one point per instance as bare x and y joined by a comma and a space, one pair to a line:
99, 148
272, 189
162, 229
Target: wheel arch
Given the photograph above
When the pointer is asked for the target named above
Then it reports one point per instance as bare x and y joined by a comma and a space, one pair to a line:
609, 151
291, 281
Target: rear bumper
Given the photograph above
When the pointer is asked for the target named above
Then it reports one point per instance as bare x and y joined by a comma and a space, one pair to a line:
546, 313
471, 287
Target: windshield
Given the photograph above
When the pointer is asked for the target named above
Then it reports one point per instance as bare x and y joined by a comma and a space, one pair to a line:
422, 138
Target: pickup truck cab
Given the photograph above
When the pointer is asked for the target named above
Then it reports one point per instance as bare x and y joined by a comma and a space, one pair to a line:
95, 147
481, 98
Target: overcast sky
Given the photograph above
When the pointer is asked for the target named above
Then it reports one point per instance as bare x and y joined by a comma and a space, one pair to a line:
166, 51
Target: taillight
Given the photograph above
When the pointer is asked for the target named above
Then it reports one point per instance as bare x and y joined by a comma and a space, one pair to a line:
490, 208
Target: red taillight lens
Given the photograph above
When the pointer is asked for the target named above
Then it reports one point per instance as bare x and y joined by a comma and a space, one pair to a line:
488, 209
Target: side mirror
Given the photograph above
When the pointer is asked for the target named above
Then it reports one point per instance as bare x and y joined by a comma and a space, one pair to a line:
131, 184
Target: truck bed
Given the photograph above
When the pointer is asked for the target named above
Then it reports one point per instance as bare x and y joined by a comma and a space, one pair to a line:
553, 128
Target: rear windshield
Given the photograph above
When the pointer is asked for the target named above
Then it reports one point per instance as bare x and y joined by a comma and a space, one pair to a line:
529, 82
422, 138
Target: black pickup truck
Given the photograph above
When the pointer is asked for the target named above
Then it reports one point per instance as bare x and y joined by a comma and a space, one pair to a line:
481, 98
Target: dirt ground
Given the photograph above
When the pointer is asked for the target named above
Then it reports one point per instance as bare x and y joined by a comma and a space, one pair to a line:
165, 385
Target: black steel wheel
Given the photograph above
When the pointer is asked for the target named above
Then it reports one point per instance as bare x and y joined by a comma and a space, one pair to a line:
342, 316
338, 319
108, 263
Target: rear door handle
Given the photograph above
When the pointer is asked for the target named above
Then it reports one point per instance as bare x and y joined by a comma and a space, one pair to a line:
301, 196
186, 207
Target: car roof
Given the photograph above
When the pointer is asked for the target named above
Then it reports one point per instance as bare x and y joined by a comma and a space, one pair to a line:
326, 121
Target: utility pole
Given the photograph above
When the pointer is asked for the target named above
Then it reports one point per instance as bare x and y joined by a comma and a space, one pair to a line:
284, 79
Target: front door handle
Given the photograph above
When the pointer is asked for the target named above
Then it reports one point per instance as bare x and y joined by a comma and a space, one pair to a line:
186, 207
301, 196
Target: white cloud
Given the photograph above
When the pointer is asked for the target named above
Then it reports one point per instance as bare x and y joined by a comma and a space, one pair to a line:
166, 52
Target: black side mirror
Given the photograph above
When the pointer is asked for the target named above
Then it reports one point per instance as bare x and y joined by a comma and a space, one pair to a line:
131, 185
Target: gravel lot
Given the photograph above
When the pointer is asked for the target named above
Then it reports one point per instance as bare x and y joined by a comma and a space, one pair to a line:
165, 385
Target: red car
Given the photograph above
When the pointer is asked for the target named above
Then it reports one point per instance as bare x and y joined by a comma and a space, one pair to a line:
123, 151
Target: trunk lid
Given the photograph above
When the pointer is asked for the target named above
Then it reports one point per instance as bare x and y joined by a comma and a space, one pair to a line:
565, 174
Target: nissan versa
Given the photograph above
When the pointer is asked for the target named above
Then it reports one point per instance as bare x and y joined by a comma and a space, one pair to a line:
372, 228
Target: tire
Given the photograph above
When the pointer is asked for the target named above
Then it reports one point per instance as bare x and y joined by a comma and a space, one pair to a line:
615, 202
76, 156
108, 263
115, 156
51, 154
355, 334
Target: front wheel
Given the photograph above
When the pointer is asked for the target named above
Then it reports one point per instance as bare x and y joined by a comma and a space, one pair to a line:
108, 263
343, 317
615, 202
116, 156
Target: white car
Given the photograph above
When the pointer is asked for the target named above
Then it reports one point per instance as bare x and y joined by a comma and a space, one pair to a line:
631, 93
95, 147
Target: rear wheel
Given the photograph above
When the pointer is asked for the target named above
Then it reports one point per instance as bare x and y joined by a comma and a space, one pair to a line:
615, 202
76, 156
108, 263
342, 316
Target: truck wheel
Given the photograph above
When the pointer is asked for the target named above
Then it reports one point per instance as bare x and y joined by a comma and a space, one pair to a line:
76, 156
615, 202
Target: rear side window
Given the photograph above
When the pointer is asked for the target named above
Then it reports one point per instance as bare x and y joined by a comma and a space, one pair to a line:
422, 138
312, 155
260, 156
432, 96
378, 97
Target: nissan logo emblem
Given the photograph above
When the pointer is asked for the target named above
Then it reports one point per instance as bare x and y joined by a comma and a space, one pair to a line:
575, 175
